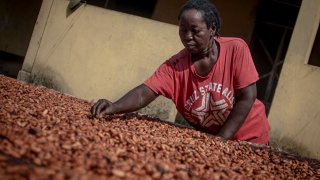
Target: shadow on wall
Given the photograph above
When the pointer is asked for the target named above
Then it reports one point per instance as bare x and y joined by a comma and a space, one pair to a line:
158, 108
286, 144
73, 5
45, 76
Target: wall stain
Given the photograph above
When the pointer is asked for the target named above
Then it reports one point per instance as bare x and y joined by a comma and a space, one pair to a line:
289, 145
47, 77
158, 108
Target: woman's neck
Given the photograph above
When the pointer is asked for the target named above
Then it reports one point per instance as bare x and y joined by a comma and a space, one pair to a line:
209, 53
204, 62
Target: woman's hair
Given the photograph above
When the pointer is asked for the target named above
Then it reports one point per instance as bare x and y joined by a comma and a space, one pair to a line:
209, 12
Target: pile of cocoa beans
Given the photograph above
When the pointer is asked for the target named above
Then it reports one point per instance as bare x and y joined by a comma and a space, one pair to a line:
49, 135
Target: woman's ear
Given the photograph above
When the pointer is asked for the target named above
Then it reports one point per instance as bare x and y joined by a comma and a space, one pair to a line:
213, 30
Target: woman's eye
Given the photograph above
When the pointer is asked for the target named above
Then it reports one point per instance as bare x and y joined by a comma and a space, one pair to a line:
196, 31
183, 30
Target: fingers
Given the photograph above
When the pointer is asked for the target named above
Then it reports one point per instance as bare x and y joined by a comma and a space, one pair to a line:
104, 113
94, 108
100, 107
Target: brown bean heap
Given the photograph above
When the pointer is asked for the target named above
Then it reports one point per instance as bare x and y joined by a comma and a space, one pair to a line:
49, 135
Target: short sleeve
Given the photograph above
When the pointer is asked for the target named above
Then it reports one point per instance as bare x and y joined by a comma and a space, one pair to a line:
245, 72
161, 81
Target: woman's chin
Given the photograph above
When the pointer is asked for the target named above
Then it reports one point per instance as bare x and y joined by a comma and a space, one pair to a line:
192, 50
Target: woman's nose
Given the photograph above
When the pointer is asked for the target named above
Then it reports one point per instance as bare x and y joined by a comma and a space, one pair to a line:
188, 35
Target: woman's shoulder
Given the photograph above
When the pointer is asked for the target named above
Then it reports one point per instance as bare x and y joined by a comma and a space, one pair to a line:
231, 41
178, 60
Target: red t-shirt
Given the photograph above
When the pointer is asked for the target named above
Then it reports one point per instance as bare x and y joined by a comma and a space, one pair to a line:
207, 101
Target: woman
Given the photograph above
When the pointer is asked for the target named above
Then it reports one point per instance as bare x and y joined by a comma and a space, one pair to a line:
212, 81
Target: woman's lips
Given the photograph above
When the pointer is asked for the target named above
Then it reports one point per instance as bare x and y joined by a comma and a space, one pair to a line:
190, 45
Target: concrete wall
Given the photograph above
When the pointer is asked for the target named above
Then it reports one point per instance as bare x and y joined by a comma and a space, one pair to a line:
295, 112
97, 53
238, 18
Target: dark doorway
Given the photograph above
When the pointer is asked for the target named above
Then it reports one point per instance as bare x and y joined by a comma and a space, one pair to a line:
10, 64
17, 21
273, 29
315, 53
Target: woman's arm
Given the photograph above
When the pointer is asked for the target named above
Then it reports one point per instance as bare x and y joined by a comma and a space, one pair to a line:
245, 98
135, 99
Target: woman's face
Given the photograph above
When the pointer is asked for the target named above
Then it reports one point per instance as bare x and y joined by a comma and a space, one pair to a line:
194, 33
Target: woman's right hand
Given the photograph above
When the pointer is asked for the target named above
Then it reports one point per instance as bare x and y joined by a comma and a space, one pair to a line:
101, 108
135, 99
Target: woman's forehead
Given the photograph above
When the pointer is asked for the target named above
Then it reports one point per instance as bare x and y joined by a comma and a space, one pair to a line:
192, 13
192, 17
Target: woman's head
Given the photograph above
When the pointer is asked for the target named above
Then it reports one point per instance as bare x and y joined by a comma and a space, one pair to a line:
208, 10
199, 22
